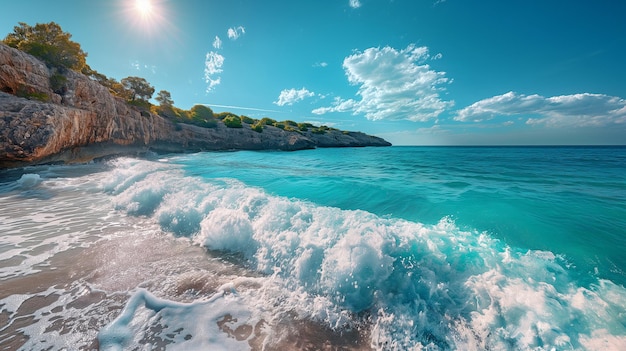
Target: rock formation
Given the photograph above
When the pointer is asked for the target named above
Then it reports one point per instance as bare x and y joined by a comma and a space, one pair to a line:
38, 125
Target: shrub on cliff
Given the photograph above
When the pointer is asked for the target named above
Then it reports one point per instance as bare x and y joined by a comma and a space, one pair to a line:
24, 92
57, 83
232, 122
142, 105
268, 121
199, 115
257, 127
201, 112
247, 120
48, 42
222, 115
202, 116
305, 126
320, 130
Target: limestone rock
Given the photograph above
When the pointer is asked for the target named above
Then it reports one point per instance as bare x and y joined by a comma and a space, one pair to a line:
21, 73
38, 125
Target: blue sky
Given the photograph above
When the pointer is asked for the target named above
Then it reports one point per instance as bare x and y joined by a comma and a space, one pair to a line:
416, 72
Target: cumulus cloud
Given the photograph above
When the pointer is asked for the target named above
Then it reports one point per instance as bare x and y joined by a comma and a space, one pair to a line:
339, 105
235, 32
564, 110
217, 43
212, 68
393, 84
320, 64
291, 96
355, 4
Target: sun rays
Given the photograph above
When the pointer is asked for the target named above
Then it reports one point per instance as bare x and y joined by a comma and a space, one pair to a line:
151, 17
144, 8
146, 15
148, 12
149, 27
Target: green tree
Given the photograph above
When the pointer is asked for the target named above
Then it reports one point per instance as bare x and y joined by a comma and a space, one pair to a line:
117, 88
164, 98
138, 87
48, 42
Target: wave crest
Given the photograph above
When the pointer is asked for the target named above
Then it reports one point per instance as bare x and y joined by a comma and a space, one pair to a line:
414, 285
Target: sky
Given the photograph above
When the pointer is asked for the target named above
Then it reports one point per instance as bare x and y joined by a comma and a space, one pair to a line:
415, 72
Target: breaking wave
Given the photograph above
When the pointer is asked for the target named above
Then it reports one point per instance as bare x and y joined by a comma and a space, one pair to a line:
401, 284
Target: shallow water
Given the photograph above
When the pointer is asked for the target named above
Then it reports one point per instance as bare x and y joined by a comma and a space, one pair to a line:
375, 248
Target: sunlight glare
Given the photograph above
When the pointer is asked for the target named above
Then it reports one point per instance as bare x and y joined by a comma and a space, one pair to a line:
144, 7
149, 18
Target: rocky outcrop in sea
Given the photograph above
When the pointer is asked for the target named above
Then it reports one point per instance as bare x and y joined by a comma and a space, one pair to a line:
84, 121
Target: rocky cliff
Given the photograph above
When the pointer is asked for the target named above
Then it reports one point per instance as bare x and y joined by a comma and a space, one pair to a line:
84, 121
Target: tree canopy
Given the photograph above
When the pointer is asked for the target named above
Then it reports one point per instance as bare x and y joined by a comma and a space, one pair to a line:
138, 87
48, 42
164, 98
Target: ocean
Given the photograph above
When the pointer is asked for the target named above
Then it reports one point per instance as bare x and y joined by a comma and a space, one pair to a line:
398, 248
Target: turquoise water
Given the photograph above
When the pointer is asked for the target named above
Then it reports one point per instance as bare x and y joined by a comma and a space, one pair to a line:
567, 200
400, 248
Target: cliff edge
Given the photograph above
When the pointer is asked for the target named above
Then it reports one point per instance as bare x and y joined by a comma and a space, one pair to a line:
84, 121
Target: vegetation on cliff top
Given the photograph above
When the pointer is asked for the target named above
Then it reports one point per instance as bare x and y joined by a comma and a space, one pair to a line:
49, 43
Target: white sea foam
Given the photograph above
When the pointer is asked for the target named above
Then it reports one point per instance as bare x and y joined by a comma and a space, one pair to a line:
220, 323
400, 284
416, 286
41, 217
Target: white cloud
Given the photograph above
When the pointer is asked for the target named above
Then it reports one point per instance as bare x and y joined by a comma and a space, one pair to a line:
355, 4
320, 64
235, 32
212, 67
393, 84
565, 110
143, 67
291, 96
339, 105
217, 43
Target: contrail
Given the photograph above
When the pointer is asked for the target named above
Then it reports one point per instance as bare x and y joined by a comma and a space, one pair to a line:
241, 108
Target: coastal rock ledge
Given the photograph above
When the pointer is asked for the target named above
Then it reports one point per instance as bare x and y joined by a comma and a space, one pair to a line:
85, 122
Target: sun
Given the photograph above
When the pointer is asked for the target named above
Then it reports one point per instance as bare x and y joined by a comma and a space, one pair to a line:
146, 16
144, 7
